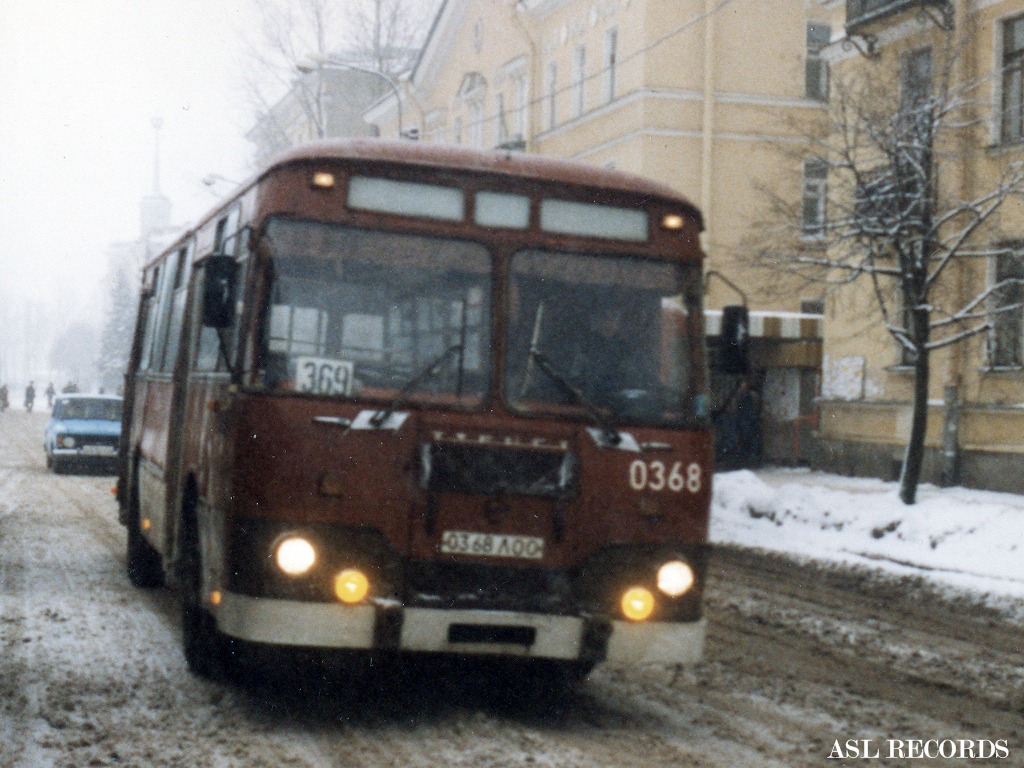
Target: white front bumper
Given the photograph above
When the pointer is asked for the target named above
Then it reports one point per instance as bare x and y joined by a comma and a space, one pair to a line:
428, 630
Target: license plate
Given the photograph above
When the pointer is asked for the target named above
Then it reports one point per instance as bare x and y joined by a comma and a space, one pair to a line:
492, 545
98, 450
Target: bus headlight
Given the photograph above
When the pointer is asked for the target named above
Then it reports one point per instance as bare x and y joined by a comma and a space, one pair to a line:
637, 603
351, 586
295, 555
675, 578
65, 441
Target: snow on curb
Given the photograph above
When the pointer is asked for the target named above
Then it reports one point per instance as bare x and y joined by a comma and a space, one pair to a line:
970, 541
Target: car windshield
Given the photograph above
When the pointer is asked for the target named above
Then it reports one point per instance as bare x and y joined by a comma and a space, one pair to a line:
81, 408
365, 313
609, 335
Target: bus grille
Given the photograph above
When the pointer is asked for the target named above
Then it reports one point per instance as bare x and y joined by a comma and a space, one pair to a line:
496, 471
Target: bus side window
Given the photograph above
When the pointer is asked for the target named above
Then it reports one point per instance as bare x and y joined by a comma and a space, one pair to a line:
208, 353
176, 303
151, 300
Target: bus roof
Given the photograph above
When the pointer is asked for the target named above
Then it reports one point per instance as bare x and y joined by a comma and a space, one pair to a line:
457, 158
451, 157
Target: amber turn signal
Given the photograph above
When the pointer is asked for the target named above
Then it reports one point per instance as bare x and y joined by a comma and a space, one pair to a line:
637, 603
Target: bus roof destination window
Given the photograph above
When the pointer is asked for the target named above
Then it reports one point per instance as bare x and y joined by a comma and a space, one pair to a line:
406, 198
565, 217
497, 209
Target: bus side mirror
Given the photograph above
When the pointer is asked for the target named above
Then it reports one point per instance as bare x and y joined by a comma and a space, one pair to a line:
219, 291
734, 341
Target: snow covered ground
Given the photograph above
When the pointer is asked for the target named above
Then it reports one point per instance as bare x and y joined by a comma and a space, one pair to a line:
958, 539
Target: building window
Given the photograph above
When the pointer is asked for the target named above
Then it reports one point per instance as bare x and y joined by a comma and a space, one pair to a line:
1012, 123
611, 55
907, 356
499, 108
551, 86
476, 123
519, 93
812, 306
915, 80
815, 195
579, 70
816, 68
1006, 342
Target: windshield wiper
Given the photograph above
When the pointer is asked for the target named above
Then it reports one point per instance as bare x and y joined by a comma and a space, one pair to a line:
380, 417
607, 429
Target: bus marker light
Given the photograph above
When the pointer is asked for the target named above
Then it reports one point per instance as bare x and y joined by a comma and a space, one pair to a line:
351, 586
331, 485
637, 603
216, 597
675, 578
323, 180
672, 221
146, 524
295, 556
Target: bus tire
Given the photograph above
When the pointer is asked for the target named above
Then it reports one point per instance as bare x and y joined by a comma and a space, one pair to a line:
208, 652
145, 569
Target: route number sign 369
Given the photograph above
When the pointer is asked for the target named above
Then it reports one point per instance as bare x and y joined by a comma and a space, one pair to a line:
323, 376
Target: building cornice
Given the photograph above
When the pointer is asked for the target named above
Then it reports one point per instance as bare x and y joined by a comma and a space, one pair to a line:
681, 95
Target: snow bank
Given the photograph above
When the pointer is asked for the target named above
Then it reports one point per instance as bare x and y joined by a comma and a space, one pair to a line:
957, 538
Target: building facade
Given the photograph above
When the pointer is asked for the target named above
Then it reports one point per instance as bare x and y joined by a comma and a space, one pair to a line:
703, 95
326, 99
972, 50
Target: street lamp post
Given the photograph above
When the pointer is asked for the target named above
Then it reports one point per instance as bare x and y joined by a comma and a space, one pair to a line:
326, 62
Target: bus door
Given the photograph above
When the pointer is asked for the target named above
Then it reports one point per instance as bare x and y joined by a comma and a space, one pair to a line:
200, 445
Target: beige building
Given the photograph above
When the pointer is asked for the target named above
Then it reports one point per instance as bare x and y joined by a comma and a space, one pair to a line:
975, 428
698, 94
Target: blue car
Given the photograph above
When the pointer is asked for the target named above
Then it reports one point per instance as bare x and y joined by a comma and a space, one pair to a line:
84, 431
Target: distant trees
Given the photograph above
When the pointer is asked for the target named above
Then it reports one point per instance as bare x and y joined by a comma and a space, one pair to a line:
74, 353
886, 207
299, 37
115, 338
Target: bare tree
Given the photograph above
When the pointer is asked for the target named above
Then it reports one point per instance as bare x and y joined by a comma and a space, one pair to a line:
294, 76
291, 32
898, 214
387, 34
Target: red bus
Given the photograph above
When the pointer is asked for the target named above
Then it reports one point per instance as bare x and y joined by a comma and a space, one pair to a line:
411, 399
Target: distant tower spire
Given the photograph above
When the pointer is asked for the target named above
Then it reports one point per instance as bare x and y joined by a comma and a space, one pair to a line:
155, 211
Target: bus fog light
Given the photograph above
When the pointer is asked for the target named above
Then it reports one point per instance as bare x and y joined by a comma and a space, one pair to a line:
637, 603
351, 586
675, 578
295, 556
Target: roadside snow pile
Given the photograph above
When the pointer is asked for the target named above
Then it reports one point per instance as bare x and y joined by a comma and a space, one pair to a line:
961, 538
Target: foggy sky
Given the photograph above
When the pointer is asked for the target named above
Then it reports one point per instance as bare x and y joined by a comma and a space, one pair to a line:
80, 82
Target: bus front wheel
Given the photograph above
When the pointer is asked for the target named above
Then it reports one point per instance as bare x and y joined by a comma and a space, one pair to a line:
145, 568
208, 652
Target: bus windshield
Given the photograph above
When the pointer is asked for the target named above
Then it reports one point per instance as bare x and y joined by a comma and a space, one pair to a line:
607, 334
357, 312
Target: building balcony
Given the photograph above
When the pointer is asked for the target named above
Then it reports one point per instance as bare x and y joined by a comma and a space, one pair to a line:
862, 13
